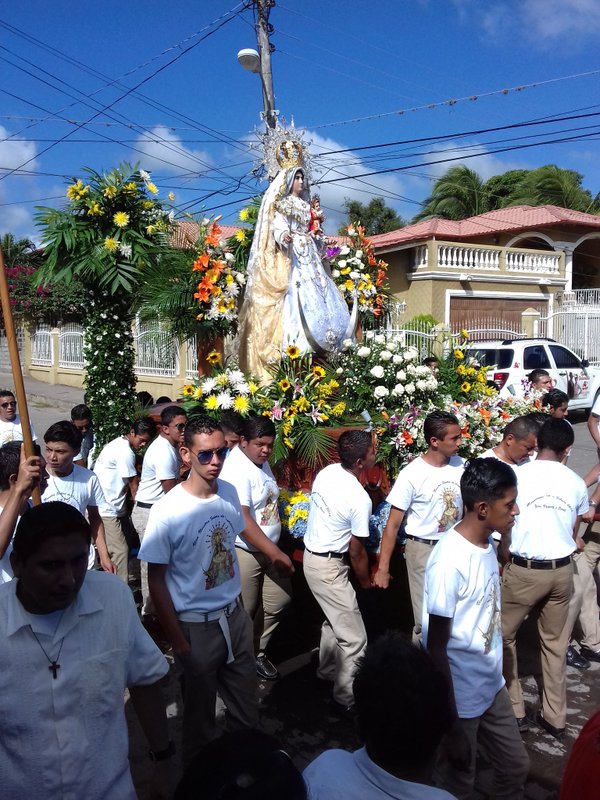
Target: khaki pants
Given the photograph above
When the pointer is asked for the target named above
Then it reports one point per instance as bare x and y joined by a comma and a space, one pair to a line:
117, 546
583, 621
265, 594
343, 634
205, 672
139, 518
417, 555
497, 734
550, 590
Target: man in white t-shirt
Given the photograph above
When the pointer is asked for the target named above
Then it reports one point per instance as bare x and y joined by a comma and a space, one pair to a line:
402, 712
195, 585
116, 470
462, 632
10, 424
265, 569
552, 499
427, 494
338, 521
75, 485
160, 473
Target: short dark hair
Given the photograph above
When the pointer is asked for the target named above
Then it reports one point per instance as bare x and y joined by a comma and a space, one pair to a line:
232, 421
64, 431
522, 427
10, 457
353, 445
437, 423
242, 765
538, 418
200, 423
402, 703
555, 435
81, 412
6, 393
168, 414
43, 522
536, 374
144, 425
486, 480
256, 425
555, 398
427, 362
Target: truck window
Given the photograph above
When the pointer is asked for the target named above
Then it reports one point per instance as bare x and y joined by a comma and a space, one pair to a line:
501, 358
535, 357
564, 358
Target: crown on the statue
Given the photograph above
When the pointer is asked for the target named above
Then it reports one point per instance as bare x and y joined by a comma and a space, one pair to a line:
290, 154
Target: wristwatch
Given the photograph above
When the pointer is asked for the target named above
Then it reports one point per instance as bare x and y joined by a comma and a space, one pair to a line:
162, 755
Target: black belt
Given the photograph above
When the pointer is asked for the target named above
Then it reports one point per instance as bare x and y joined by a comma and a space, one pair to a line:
429, 542
329, 554
533, 563
143, 505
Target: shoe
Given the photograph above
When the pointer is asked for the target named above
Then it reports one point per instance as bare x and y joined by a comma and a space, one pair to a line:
577, 660
558, 733
523, 724
265, 668
590, 655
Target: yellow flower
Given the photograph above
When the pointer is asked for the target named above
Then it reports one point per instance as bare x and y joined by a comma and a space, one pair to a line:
130, 187
77, 190
292, 351
244, 214
471, 371
111, 244
110, 192
459, 355
95, 210
464, 333
241, 236
171, 196
211, 403
302, 404
188, 390
288, 443
349, 285
150, 229
213, 357
198, 393
464, 387
241, 404
286, 428
222, 379
229, 279
151, 188
252, 387
121, 219
338, 409
345, 271
461, 370
333, 384
318, 372
284, 384
148, 204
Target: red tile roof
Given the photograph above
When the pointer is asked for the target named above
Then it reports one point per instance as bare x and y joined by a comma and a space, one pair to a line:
515, 218
186, 233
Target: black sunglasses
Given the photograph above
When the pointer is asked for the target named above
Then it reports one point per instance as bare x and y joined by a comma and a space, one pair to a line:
206, 456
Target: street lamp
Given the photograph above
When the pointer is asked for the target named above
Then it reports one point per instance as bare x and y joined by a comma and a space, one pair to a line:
251, 61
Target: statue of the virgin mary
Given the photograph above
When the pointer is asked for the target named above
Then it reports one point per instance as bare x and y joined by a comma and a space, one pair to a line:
290, 298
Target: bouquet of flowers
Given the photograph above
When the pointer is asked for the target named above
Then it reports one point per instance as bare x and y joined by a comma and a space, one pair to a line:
354, 268
219, 286
222, 390
460, 375
380, 373
293, 512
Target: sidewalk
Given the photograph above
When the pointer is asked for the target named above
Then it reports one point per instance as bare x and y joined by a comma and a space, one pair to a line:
62, 398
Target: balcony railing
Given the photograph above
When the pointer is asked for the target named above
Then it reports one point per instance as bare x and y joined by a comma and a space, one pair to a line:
444, 256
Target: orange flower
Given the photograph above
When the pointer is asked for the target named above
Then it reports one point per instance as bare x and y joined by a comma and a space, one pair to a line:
504, 414
465, 432
219, 264
201, 262
408, 439
486, 415
213, 238
380, 277
203, 293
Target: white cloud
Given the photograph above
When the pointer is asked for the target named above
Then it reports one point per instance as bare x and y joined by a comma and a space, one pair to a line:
486, 164
14, 152
169, 155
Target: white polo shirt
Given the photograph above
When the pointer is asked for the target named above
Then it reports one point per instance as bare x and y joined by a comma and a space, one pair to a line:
339, 509
161, 463
114, 466
13, 432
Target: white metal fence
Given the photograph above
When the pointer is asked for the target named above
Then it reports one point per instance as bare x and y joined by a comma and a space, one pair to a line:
575, 328
70, 346
41, 346
156, 352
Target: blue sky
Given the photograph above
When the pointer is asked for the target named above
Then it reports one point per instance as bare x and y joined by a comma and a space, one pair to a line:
340, 70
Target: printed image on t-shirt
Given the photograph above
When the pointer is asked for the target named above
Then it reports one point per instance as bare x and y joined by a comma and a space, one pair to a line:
450, 512
221, 568
492, 633
270, 513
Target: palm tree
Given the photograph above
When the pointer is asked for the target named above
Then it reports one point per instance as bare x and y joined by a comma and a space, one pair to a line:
18, 252
458, 194
557, 187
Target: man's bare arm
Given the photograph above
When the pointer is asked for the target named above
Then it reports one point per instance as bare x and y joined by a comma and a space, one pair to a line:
255, 537
360, 562
164, 608
169, 484
99, 539
133, 484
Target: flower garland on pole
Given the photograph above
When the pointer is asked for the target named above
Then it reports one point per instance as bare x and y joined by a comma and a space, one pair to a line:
112, 230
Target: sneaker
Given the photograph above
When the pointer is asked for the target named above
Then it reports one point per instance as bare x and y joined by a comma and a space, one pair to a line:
523, 724
265, 668
558, 733
590, 655
577, 660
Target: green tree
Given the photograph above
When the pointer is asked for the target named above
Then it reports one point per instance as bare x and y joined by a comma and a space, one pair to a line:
19, 252
459, 193
112, 229
375, 216
500, 189
554, 186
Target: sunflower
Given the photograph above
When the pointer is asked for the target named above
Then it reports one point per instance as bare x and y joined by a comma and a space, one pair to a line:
292, 351
318, 372
213, 357
284, 384
188, 390
464, 387
459, 355
241, 404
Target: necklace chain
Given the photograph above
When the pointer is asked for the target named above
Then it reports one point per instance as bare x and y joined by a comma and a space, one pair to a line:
54, 666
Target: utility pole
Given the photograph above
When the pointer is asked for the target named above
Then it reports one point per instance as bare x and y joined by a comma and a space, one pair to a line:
265, 48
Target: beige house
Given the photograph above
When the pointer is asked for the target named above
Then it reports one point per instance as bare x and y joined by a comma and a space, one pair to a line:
495, 265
